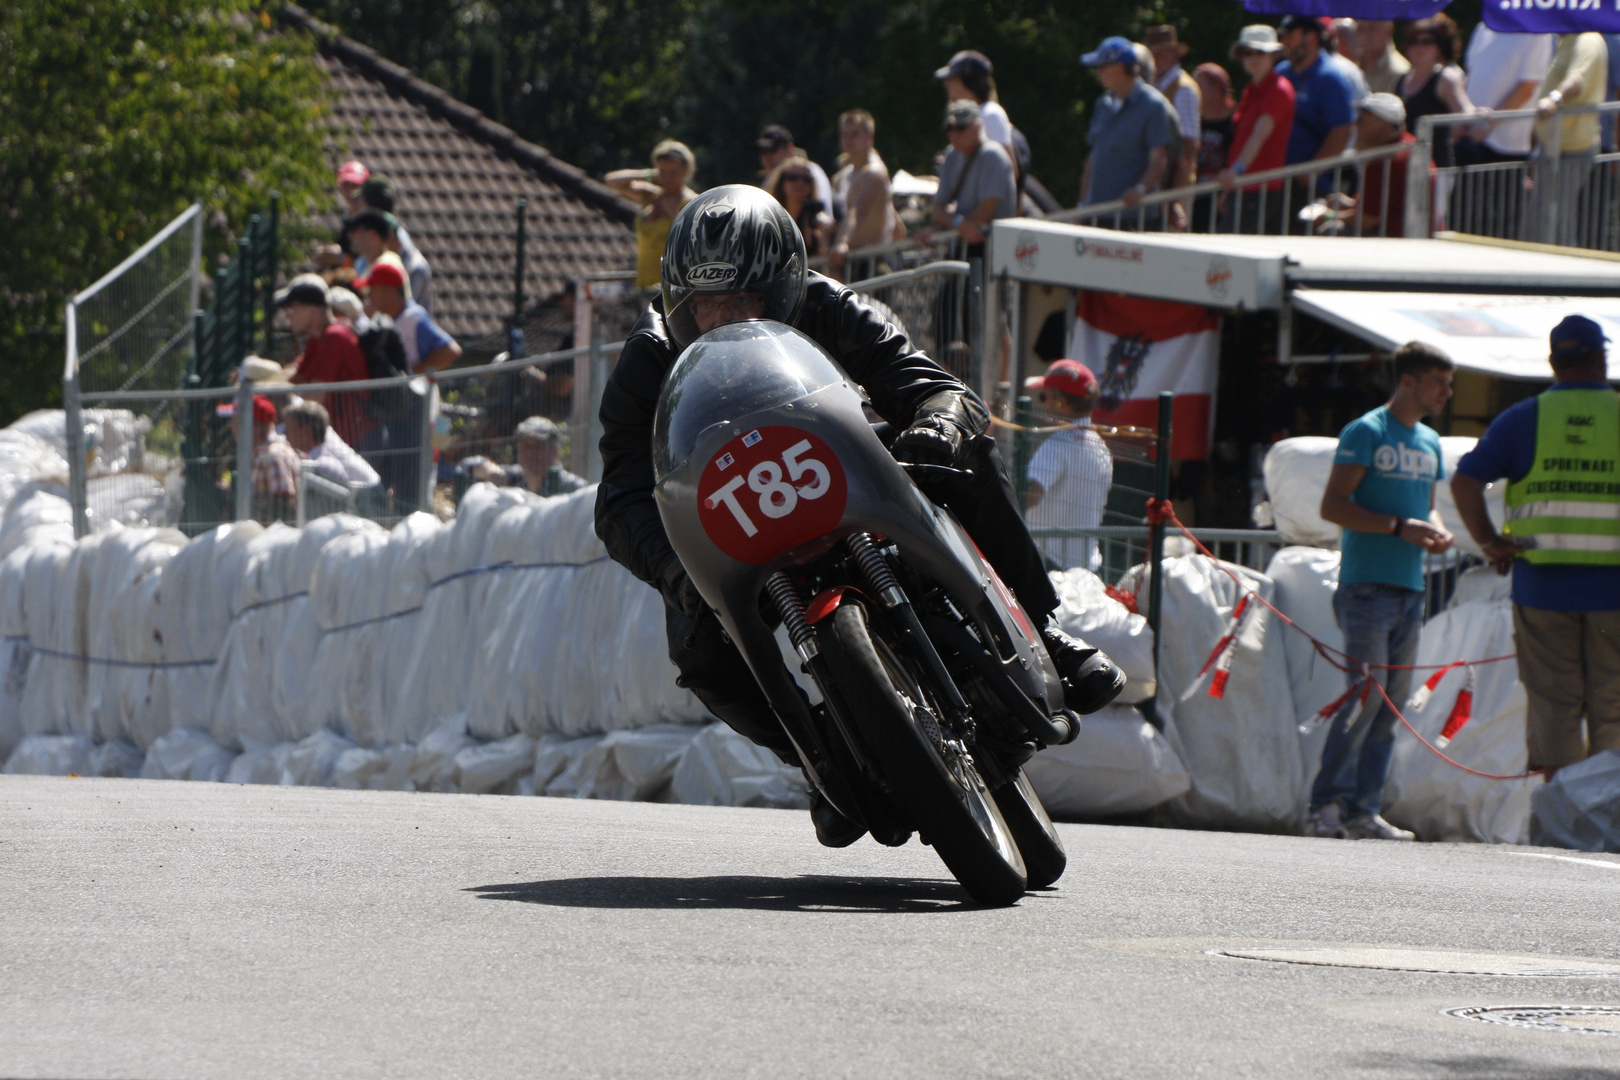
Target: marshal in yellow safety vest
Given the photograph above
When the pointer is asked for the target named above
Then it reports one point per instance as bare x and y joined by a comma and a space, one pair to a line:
1566, 510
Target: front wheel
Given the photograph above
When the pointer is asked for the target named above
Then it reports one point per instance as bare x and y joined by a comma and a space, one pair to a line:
1032, 827
933, 777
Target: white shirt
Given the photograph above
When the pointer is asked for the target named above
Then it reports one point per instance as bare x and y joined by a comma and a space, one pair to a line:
997, 124
1075, 470
337, 460
1185, 101
1497, 63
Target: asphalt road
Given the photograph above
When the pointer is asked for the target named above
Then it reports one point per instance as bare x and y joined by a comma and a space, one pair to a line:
164, 930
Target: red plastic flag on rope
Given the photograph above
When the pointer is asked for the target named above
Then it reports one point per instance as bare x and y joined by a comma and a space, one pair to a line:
1460, 713
1421, 697
1220, 658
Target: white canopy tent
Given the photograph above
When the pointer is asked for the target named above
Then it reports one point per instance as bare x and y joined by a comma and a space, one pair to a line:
1489, 306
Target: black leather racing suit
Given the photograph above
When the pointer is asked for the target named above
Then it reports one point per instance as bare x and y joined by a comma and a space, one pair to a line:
899, 379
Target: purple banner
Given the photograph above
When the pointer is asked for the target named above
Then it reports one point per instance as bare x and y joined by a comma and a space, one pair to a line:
1553, 16
1358, 9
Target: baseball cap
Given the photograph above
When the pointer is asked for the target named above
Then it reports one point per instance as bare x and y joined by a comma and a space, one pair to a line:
352, 172
1575, 335
539, 429
264, 410
304, 289
383, 273
1113, 50
1301, 22
1258, 38
963, 114
966, 64
1065, 376
773, 137
379, 192
1387, 107
345, 303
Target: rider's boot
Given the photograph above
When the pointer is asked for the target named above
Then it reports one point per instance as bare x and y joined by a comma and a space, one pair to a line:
1090, 679
832, 828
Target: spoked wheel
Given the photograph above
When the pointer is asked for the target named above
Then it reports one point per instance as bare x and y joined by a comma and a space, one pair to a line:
1038, 842
933, 776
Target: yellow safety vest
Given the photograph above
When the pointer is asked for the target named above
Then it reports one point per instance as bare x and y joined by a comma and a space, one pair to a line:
1567, 508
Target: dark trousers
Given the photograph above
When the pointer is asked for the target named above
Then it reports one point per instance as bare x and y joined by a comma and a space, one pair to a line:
713, 669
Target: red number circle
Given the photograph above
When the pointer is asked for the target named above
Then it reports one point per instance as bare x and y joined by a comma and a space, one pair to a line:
769, 490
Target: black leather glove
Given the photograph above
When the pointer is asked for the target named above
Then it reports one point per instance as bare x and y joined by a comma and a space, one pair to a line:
942, 433
679, 592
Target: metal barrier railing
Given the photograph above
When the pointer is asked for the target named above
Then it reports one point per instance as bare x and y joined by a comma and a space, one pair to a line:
1325, 198
1569, 200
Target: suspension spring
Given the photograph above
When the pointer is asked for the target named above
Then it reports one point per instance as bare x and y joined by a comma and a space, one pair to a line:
876, 568
790, 606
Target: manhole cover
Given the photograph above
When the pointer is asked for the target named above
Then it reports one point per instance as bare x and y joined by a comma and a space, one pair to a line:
1582, 1019
1431, 961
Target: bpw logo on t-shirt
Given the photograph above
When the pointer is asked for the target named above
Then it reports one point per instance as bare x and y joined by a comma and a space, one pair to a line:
1406, 462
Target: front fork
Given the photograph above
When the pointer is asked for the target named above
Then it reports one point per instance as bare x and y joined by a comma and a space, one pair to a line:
901, 616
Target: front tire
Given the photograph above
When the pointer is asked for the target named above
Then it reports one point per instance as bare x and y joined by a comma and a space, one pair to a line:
1038, 842
933, 778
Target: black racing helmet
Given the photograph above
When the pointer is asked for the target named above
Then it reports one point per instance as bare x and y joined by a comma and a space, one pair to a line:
735, 238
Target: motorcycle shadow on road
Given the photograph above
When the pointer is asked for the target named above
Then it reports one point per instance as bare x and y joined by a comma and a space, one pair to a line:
807, 892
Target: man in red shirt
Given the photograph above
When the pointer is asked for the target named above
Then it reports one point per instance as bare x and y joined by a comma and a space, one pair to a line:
331, 353
1261, 125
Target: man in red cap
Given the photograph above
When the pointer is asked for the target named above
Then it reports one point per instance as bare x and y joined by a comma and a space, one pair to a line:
1070, 474
275, 463
331, 353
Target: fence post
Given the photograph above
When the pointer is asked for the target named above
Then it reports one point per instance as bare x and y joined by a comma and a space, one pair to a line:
1161, 491
73, 424
243, 474
426, 474
514, 336
1023, 444
1418, 181
270, 268
244, 276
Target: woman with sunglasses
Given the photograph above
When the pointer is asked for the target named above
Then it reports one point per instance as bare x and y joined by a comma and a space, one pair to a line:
1435, 85
794, 187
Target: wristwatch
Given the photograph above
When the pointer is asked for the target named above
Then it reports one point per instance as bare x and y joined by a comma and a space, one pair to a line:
1555, 96
1395, 524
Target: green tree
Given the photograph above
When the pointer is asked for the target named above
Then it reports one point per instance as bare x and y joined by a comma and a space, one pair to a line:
593, 81
801, 63
120, 113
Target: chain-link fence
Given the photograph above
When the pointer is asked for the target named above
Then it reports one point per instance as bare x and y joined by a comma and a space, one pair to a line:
380, 449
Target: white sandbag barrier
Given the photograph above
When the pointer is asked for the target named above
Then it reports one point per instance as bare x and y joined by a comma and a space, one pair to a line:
1439, 801
431, 657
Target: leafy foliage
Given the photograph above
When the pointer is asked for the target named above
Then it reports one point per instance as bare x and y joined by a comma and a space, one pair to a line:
594, 81
120, 113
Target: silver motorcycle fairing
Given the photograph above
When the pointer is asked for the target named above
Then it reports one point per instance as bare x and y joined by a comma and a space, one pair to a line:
749, 397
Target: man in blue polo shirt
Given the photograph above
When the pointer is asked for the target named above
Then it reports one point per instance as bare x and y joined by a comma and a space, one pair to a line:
1381, 491
1129, 134
1324, 99
1560, 453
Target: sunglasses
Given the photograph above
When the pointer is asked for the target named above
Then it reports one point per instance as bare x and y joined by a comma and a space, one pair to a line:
957, 127
804, 177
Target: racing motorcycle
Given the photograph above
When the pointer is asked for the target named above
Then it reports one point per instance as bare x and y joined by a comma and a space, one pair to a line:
787, 510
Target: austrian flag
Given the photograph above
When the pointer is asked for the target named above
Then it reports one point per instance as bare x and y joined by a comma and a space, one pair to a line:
1138, 348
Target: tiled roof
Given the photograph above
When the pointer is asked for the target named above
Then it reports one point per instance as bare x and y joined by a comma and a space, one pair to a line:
459, 177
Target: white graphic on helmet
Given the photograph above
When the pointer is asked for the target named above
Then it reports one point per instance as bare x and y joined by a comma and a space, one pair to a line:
711, 273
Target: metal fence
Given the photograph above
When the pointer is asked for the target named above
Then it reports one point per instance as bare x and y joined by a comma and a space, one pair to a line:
394, 446
129, 331
1349, 195
1552, 197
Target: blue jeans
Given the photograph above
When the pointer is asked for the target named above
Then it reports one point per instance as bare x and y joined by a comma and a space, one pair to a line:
1381, 625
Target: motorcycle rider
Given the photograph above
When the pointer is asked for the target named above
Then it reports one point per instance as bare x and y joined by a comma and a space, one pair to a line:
733, 254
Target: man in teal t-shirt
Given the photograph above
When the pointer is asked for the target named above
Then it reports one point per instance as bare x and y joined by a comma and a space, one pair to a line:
1381, 491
